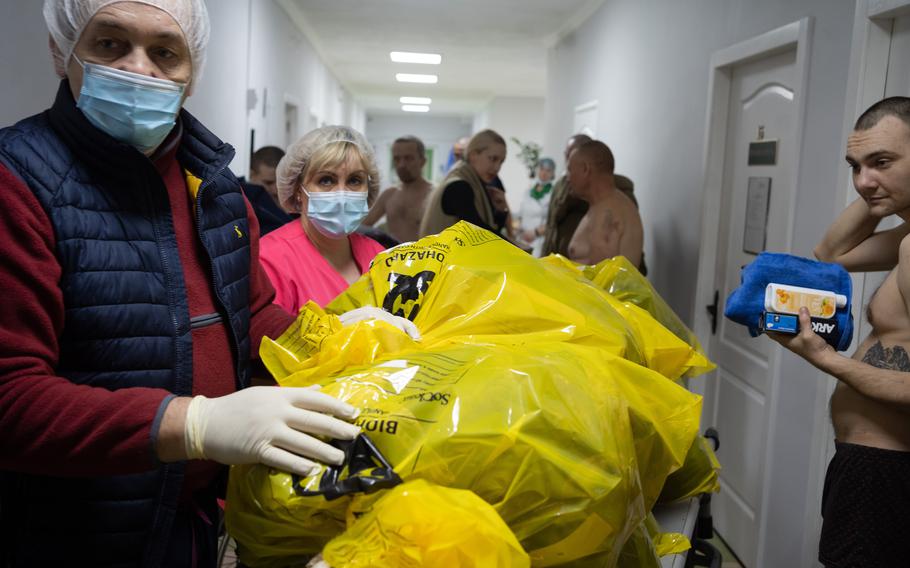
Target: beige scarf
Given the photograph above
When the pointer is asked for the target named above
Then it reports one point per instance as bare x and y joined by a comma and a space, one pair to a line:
436, 220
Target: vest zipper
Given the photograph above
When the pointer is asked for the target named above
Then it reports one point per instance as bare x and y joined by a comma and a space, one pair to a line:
205, 183
168, 280
205, 320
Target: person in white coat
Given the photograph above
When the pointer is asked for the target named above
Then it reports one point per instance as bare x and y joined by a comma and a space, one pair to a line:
532, 215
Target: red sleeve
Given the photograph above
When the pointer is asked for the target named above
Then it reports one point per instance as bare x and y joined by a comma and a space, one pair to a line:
266, 318
50, 425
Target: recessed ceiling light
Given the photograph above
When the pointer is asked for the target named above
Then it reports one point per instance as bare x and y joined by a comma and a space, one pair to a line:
415, 78
415, 100
411, 57
415, 108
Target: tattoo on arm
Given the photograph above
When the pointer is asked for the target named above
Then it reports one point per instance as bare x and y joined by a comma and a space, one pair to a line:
892, 358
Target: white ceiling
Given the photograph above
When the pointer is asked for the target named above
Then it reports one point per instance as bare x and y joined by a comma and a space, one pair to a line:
489, 47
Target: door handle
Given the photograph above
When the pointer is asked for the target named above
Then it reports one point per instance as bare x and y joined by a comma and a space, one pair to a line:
712, 309
711, 434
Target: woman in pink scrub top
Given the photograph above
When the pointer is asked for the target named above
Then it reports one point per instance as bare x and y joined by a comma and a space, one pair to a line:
330, 177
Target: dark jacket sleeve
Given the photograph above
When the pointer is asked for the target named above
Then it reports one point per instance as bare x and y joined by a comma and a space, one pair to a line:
48, 424
458, 201
269, 215
266, 319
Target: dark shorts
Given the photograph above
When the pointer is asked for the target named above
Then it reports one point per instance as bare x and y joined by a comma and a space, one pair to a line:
866, 508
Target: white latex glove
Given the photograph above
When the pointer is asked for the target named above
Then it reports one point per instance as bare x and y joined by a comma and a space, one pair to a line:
370, 312
269, 425
317, 562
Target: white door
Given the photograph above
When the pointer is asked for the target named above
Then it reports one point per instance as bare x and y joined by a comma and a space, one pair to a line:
761, 106
312, 121
290, 124
586, 119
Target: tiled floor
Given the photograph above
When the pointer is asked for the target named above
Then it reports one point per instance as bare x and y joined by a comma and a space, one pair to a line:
229, 560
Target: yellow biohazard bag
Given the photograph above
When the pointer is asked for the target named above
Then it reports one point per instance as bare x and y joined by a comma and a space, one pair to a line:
698, 474
528, 388
495, 288
623, 282
421, 524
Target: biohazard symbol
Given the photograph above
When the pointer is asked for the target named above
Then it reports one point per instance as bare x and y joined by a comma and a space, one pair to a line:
406, 293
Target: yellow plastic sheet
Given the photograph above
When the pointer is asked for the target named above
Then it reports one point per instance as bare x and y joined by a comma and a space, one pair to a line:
699, 474
623, 282
421, 524
530, 387
665, 543
648, 544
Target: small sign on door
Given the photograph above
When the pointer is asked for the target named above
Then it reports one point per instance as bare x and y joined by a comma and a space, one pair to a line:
763, 153
758, 199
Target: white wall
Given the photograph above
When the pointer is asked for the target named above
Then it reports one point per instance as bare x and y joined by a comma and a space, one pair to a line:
285, 68
255, 45
219, 97
518, 117
29, 83
438, 133
647, 65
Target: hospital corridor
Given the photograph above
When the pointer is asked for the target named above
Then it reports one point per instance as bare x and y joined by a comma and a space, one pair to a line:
478, 283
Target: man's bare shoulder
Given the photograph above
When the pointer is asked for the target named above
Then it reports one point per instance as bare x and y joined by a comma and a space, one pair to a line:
625, 209
902, 271
623, 202
418, 189
903, 257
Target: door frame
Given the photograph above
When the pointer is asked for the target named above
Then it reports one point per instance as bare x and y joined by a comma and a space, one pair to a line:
866, 79
585, 107
716, 123
795, 35
868, 69
292, 101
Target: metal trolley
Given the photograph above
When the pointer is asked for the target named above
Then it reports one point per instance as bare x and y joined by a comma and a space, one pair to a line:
693, 519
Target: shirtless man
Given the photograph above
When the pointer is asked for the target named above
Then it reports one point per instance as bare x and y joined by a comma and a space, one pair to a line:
403, 205
611, 226
866, 501
565, 212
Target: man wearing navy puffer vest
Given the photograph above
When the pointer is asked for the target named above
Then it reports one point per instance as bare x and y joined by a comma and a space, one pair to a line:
133, 304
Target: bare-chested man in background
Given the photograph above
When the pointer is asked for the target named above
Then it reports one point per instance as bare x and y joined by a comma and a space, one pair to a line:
866, 500
612, 225
403, 205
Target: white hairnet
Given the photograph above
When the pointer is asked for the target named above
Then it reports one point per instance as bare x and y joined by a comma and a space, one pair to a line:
292, 167
66, 19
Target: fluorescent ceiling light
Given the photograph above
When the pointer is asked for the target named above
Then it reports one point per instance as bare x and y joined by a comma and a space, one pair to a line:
415, 108
415, 100
411, 57
415, 78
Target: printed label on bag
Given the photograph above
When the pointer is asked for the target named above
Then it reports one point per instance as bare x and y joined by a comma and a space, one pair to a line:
406, 293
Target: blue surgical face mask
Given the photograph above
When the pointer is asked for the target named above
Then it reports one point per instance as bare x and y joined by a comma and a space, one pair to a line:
135, 109
337, 213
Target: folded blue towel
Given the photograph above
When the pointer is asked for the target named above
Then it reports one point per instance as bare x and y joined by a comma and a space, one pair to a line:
746, 304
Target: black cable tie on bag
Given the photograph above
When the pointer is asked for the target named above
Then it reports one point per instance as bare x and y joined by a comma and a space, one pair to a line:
364, 470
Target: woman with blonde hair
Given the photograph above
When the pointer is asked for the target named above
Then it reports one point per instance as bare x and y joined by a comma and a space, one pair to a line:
466, 194
330, 178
